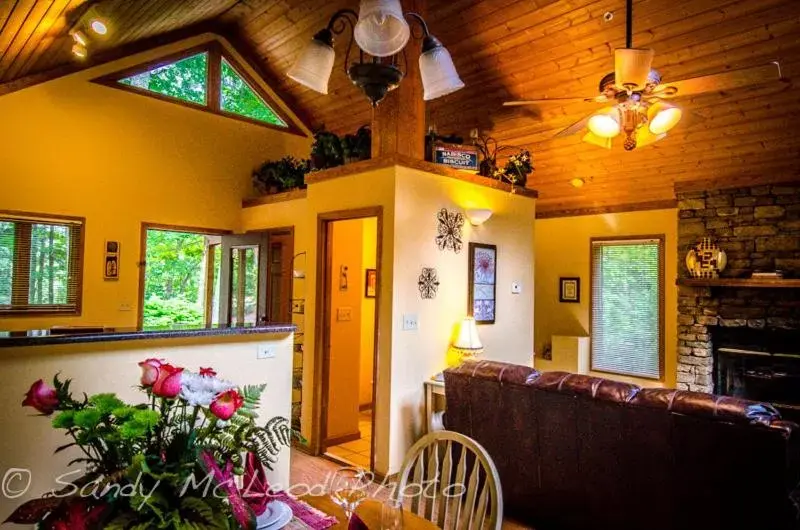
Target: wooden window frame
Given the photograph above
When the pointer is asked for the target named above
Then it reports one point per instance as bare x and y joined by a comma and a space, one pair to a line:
661, 239
22, 269
216, 52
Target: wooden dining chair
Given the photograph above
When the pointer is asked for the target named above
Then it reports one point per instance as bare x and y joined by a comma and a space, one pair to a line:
450, 480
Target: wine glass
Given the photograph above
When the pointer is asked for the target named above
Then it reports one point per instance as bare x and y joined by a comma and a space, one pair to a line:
392, 515
349, 490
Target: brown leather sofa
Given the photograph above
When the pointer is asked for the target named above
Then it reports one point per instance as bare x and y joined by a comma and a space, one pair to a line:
578, 453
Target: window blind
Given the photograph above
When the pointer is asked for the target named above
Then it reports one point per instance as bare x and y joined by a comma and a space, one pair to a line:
627, 307
40, 264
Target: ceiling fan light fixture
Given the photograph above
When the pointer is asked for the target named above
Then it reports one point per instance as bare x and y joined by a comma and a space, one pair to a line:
632, 67
663, 117
604, 125
314, 66
645, 137
438, 73
381, 30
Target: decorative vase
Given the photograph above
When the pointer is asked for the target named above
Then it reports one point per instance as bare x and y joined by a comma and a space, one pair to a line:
706, 259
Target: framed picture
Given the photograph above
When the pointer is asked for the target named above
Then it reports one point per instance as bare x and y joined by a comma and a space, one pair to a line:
111, 266
482, 282
371, 283
569, 290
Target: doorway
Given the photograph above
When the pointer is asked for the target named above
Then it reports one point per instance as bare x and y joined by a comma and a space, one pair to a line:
194, 277
348, 292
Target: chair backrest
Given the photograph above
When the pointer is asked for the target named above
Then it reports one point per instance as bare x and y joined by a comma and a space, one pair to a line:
450, 480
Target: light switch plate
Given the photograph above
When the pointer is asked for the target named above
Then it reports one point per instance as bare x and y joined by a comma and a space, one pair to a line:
265, 352
344, 314
125, 307
410, 322
516, 288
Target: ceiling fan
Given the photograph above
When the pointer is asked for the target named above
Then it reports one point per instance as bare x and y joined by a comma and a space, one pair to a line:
636, 97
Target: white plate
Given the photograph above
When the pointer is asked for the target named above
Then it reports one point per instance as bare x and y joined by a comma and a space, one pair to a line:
277, 515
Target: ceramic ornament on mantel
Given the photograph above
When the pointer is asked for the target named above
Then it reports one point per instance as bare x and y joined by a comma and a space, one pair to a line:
706, 259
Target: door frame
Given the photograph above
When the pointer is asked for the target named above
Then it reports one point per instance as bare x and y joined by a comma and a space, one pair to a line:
142, 263
322, 312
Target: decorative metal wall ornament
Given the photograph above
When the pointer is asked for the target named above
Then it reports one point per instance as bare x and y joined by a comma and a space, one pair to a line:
428, 283
450, 226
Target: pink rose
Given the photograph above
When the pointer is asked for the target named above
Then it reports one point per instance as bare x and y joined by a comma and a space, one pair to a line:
150, 369
168, 384
208, 372
42, 397
226, 404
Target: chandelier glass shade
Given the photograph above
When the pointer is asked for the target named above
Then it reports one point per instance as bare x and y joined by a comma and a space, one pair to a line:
381, 30
605, 124
632, 67
663, 117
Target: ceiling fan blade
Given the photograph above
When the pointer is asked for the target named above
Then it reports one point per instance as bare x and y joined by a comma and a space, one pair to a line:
580, 124
597, 99
722, 81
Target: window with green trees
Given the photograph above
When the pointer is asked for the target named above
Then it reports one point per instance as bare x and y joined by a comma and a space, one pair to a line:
627, 306
40, 264
206, 77
175, 278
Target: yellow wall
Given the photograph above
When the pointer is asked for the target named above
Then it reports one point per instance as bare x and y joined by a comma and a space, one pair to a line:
345, 339
562, 249
28, 441
418, 355
78, 148
368, 261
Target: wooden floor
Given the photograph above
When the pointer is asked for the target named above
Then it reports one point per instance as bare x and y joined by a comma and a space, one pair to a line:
315, 472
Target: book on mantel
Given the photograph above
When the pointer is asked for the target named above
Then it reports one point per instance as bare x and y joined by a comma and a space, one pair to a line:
774, 275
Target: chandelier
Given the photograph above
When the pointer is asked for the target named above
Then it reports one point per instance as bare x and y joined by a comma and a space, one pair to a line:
381, 32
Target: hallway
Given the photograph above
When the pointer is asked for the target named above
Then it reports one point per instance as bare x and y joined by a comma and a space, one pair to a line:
356, 452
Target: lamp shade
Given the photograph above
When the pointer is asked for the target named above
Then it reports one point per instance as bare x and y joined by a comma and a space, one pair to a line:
438, 73
632, 67
381, 29
478, 216
604, 125
663, 117
467, 338
314, 66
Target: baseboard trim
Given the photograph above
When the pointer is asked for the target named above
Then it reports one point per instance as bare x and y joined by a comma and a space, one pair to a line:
336, 440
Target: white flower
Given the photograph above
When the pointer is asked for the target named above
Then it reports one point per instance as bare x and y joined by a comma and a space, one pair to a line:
200, 390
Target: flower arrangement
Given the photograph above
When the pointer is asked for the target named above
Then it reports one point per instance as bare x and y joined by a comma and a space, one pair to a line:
517, 169
168, 463
277, 176
518, 166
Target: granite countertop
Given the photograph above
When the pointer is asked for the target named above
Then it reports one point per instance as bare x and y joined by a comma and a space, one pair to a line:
77, 335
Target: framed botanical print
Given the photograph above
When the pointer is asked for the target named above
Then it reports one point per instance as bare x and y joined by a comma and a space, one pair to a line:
111, 268
482, 282
569, 290
371, 283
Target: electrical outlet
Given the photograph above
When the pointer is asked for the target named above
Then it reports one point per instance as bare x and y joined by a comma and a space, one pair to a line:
516, 288
125, 307
344, 314
410, 322
265, 352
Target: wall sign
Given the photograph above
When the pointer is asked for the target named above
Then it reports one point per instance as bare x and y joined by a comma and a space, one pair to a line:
111, 269
482, 282
456, 156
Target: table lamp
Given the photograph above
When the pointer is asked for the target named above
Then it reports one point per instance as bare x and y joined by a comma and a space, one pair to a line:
467, 345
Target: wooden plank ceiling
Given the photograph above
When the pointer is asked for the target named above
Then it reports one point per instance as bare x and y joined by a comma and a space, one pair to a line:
505, 50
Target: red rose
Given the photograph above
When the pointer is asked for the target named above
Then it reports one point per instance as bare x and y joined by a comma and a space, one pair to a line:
42, 397
226, 404
208, 372
168, 384
150, 369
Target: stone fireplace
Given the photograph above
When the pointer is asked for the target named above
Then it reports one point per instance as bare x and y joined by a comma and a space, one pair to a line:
759, 229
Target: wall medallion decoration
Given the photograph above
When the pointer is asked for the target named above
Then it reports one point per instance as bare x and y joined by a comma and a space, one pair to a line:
450, 230
706, 259
482, 282
428, 283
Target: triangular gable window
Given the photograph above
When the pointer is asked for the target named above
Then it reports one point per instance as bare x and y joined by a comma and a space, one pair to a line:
238, 97
185, 79
206, 78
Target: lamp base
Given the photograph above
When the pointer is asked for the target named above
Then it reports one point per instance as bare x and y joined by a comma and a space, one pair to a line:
375, 79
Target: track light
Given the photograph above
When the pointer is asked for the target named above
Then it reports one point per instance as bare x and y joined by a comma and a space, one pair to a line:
79, 50
98, 26
79, 37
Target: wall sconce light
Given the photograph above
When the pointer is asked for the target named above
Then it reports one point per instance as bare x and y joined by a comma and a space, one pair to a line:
380, 32
78, 36
299, 273
79, 51
478, 216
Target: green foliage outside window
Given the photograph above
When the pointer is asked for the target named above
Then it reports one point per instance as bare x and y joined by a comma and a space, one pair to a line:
238, 97
185, 79
6, 261
49, 264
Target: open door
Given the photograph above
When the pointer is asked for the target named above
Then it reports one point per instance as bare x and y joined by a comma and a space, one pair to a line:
256, 278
